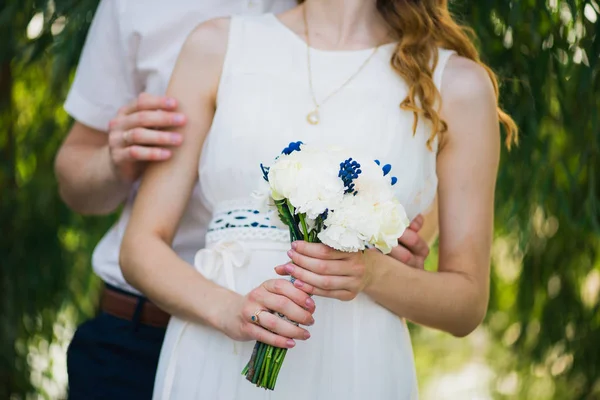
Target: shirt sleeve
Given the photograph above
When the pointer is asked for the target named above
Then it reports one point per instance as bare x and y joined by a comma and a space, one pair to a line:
103, 82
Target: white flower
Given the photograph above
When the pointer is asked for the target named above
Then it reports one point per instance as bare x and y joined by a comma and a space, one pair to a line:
345, 226
392, 221
308, 179
368, 215
341, 238
362, 220
372, 183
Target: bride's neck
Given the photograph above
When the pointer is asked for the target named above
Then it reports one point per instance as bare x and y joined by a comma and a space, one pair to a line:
345, 23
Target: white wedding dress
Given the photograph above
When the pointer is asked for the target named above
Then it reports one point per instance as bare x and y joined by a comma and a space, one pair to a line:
357, 349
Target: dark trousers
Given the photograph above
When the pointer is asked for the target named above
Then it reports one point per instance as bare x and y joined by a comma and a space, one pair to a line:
113, 358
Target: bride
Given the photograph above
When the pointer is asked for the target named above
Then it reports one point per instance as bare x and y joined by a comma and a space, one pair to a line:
398, 79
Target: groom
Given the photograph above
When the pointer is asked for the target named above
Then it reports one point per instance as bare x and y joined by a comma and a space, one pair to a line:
121, 123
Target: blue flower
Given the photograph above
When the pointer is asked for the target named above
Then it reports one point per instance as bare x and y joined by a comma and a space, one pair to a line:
386, 170
265, 171
349, 171
293, 146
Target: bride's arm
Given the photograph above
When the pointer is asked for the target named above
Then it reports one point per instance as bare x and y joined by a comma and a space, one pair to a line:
455, 298
147, 259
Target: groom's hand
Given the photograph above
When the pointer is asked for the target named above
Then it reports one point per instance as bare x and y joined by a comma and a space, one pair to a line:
139, 133
412, 249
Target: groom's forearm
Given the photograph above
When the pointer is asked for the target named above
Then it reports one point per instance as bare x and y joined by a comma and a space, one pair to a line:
87, 183
449, 301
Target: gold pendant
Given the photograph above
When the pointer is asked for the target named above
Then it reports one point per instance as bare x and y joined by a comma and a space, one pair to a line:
313, 117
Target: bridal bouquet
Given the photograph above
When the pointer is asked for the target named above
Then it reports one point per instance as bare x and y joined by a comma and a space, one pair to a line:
325, 196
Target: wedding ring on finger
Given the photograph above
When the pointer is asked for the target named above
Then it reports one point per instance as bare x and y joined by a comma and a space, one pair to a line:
256, 317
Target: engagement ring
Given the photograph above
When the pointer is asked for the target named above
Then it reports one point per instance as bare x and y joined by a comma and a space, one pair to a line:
255, 318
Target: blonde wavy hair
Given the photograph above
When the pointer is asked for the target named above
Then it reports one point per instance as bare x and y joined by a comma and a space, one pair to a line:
421, 27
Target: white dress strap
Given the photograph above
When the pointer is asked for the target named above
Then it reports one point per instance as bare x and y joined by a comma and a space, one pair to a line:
443, 57
232, 52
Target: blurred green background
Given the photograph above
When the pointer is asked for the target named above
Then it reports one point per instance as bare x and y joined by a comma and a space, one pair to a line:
541, 337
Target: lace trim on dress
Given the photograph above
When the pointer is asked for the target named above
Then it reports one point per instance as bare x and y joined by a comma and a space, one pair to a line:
242, 220
266, 234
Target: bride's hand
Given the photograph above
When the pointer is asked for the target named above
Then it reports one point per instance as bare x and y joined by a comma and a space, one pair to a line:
323, 271
276, 295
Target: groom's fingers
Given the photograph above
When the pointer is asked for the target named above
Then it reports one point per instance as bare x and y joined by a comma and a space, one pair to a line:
147, 101
414, 243
404, 255
417, 223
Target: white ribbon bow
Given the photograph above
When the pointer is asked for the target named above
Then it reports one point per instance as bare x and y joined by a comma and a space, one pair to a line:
225, 255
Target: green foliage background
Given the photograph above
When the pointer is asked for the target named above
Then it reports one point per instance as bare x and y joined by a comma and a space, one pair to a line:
543, 327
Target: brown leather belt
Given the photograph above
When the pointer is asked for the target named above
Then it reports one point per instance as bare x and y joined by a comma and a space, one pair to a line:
124, 306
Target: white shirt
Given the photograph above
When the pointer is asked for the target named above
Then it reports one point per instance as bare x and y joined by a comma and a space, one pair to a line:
132, 47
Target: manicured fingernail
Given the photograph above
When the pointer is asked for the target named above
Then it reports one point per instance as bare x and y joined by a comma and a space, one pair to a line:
289, 269
290, 253
178, 119
170, 102
176, 138
306, 335
290, 343
310, 302
294, 245
298, 283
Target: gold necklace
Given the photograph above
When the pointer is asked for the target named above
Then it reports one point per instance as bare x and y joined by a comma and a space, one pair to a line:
313, 117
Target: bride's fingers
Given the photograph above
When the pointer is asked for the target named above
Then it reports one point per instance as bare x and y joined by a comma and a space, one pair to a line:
285, 306
262, 335
285, 288
318, 250
282, 327
344, 295
325, 282
320, 266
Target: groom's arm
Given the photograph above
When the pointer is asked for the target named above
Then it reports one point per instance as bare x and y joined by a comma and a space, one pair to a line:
107, 146
96, 169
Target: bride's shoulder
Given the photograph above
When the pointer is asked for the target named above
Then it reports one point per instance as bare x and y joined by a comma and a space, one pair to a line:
208, 40
466, 81
469, 102
203, 54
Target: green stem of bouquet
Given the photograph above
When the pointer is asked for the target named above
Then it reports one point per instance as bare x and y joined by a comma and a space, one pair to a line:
266, 360
304, 228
